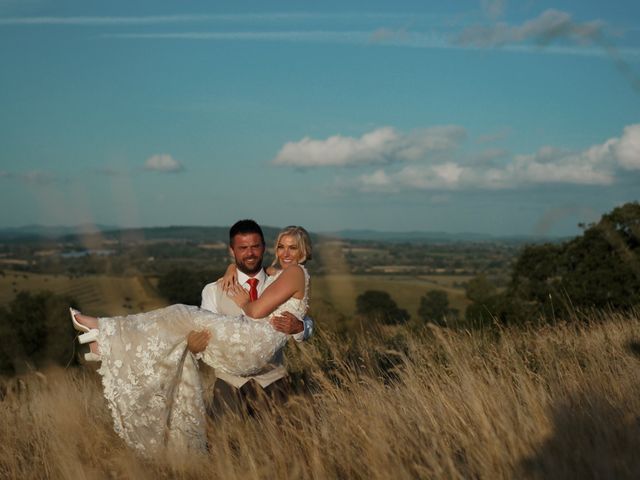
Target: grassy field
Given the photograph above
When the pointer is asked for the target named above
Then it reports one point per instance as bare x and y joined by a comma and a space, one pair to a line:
102, 294
341, 290
560, 402
98, 294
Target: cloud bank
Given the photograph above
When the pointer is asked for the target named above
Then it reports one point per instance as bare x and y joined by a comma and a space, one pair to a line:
163, 163
550, 25
419, 30
598, 165
427, 159
381, 146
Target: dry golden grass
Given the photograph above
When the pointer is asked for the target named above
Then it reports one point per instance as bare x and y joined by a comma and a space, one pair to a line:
557, 402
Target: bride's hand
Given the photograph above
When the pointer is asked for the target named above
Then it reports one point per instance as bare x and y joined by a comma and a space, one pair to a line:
238, 294
271, 270
230, 278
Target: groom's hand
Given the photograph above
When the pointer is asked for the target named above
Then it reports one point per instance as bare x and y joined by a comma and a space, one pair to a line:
287, 323
198, 341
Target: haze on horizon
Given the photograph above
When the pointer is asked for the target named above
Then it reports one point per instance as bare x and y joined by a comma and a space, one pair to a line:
487, 116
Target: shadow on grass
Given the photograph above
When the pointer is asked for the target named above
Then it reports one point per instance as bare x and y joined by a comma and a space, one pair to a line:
592, 437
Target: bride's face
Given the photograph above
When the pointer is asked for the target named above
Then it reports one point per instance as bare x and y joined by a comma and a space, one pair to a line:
288, 251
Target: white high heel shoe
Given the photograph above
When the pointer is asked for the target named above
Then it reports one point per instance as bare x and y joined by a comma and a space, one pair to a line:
89, 335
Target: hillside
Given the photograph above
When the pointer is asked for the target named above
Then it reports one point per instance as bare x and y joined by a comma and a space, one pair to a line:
561, 402
35, 233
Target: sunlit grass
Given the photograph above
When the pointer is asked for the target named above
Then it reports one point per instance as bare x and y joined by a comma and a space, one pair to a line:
557, 402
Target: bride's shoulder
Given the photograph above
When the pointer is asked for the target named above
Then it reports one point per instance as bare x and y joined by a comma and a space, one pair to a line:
294, 271
295, 268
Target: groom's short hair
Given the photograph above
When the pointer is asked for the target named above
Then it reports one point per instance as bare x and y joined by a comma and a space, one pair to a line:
243, 227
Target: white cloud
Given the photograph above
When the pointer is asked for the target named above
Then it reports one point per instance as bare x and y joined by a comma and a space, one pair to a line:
549, 26
627, 149
380, 146
597, 165
163, 163
550, 165
487, 157
378, 180
446, 176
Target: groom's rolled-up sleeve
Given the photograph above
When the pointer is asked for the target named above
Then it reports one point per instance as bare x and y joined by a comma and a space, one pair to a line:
208, 303
307, 331
209, 298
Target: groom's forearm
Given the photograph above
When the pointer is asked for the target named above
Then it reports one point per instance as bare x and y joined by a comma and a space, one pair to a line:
300, 330
287, 323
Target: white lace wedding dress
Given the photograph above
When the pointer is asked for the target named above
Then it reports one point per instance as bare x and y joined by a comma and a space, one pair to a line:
151, 381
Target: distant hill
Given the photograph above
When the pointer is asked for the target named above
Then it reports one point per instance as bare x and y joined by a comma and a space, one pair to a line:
84, 234
435, 237
413, 236
49, 232
201, 234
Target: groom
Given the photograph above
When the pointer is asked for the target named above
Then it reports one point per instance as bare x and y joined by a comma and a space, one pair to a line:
247, 246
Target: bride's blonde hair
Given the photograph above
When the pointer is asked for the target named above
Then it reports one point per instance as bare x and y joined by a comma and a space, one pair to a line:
303, 240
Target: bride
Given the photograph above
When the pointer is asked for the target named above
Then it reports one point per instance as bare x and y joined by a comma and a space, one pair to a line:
151, 383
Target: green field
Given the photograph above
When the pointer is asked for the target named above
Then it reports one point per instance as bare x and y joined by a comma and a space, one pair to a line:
341, 290
96, 294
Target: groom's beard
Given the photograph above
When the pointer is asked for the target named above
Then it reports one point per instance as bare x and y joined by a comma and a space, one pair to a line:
249, 269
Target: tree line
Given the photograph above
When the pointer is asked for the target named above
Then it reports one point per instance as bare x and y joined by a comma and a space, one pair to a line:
599, 269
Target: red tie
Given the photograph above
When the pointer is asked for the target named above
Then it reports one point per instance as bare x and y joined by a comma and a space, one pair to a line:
253, 289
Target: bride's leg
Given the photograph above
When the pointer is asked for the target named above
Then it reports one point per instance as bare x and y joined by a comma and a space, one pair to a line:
86, 320
94, 348
91, 323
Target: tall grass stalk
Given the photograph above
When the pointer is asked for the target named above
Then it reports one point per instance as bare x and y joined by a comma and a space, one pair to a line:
554, 402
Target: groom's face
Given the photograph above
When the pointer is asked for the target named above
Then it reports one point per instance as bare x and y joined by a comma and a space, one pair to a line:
248, 250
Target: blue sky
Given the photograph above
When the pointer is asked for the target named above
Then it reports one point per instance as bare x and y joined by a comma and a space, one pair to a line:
472, 116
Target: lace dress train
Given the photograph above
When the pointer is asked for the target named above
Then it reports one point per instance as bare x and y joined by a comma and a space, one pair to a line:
151, 381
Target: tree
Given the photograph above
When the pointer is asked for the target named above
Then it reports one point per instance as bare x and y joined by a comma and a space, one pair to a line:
434, 307
35, 330
479, 288
599, 269
7, 341
185, 286
379, 305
